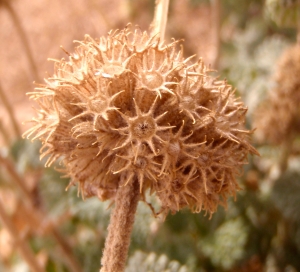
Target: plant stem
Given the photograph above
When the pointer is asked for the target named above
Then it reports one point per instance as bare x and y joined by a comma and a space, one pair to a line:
25, 250
4, 133
286, 150
216, 23
159, 22
23, 36
120, 227
63, 245
10, 112
9, 167
66, 250
298, 24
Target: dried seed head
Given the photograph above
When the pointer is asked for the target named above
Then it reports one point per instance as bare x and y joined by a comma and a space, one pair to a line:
124, 108
278, 118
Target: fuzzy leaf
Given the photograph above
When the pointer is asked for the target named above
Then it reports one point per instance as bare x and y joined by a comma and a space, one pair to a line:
151, 262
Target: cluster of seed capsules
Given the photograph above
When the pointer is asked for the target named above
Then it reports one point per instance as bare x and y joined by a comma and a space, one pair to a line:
126, 108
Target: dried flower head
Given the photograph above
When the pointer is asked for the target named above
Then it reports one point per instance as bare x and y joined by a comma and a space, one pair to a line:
278, 118
126, 108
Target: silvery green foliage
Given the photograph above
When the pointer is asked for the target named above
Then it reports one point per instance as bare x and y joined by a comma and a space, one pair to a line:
252, 63
151, 262
25, 155
283, 12
144, 219
285, 196
263, 69
91, 210
226, 245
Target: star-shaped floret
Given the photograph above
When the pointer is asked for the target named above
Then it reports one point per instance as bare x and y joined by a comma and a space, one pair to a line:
177, 147
212, 161
154, 71
227, 116
96, 105
139, 41
175, 191
47, 121
137, 163
189, 95
114, 64
142, 128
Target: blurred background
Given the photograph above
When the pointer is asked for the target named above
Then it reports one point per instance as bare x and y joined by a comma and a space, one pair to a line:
252, 43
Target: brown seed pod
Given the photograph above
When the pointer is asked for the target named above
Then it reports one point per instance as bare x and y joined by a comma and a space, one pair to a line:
278, 118
126, 108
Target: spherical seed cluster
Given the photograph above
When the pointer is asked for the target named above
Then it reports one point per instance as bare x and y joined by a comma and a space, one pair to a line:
278, 118
126, 108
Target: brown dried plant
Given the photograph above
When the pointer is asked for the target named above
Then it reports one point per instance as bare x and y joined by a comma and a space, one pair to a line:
278, 118
124, 108
128, 114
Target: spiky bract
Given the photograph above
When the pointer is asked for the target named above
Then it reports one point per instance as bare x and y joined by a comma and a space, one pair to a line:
126, 108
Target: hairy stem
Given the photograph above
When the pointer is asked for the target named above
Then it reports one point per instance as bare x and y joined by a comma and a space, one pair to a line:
120, 227
23, 247
159, 22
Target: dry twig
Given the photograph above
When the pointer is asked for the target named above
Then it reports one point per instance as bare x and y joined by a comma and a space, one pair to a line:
23, 36
216, 22
159, 22
4, 133
25, 250
65, 248
10, 112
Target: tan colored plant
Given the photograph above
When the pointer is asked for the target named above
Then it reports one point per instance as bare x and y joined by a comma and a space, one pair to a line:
278, 118
128, 114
